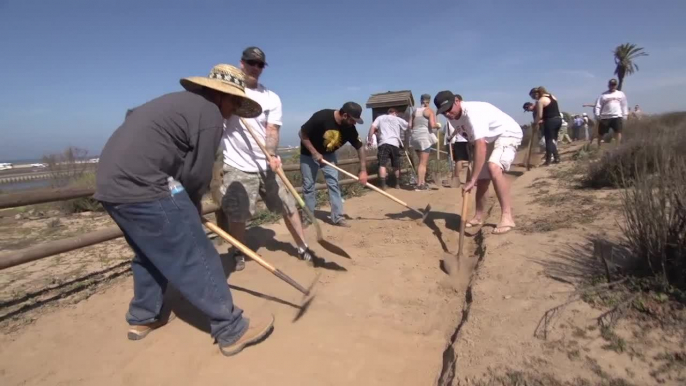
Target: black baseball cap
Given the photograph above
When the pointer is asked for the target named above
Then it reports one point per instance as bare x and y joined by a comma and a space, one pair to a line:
444, 101
254, 53
527, 105
354, 110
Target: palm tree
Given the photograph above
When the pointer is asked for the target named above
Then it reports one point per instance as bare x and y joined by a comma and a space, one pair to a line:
625, 54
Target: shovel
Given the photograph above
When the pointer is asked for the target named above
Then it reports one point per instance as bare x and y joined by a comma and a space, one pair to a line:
424, 214
320, 238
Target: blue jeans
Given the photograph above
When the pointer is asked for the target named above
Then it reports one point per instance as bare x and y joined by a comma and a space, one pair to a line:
171, 247
309, 169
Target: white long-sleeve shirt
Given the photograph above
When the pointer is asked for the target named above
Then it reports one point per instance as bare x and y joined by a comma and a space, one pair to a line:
611, 104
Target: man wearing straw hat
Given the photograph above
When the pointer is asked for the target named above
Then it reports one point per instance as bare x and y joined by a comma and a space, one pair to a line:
151, 177
245, 170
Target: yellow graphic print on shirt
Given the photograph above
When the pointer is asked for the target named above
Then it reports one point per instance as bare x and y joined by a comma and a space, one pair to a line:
332, 140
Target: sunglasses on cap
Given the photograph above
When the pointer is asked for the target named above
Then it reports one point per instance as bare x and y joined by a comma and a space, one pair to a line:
255, 63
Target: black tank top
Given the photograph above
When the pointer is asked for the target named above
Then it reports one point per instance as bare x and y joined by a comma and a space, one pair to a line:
551, 111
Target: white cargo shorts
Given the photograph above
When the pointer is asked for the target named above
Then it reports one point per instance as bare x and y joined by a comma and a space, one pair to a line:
502, 152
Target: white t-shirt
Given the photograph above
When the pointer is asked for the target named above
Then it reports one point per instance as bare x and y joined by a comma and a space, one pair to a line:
240, 149
482, 120
449, 130
389, 129
611, 105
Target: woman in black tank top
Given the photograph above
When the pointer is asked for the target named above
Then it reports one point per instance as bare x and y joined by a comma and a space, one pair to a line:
551, 120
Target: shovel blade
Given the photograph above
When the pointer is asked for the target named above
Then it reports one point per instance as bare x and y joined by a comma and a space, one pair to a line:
426, 212
336, 250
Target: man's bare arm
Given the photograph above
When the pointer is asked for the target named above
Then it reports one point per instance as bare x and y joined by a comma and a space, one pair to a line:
362, 154
272, 138
370, 136
308, 144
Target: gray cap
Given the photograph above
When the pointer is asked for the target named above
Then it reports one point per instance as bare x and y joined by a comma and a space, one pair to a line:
425, 97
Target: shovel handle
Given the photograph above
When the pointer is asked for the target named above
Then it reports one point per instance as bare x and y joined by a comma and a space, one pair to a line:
249, 252
285, 181
372, 187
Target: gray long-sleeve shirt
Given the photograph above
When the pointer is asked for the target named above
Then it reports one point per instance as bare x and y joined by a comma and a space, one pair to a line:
174, 135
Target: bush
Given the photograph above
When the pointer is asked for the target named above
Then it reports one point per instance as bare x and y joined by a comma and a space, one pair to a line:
654, 206
84, 204
642, 141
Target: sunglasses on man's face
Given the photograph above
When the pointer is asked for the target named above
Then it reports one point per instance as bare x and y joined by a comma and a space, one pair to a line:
255, 63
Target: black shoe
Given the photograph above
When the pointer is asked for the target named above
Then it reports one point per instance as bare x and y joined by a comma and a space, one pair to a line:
342, 223
422, 187
239, 257
556, 161
304, 254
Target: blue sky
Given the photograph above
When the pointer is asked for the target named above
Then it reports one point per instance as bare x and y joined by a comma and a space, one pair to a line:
69, 69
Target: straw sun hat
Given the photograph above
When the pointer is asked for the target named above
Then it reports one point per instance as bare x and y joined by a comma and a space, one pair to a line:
226, 79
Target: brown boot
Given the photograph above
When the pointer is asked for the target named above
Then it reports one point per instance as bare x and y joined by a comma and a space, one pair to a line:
258, 328
138, 332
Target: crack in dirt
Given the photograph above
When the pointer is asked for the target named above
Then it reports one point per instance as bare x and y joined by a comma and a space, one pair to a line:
449, 357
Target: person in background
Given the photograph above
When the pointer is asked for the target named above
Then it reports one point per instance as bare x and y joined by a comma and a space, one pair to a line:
422, 121
549, 117
324, 133
460, 144
637, 113
246, 172
611, 109
389, 128
563, 134
152, 174
585, 126
576, 131
495, 136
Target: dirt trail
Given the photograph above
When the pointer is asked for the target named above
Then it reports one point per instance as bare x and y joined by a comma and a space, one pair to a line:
535, 269
382, 318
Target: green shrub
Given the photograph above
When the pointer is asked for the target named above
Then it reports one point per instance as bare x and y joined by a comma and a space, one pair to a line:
642, 141
84, 204
654, 207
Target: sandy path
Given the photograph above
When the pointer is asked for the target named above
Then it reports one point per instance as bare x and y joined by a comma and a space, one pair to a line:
382, 318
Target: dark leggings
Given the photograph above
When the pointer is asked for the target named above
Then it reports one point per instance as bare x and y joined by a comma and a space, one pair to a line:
551, 128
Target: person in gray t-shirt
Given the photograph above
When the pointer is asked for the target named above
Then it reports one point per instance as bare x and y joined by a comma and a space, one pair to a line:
151, 176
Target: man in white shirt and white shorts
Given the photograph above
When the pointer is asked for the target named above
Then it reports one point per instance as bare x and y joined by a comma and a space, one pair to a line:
246, 172
496, 137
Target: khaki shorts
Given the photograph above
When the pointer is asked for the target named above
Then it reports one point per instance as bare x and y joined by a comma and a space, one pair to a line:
502, 152
239, 191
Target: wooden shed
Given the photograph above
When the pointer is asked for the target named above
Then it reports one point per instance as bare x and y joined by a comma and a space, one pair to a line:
401, 100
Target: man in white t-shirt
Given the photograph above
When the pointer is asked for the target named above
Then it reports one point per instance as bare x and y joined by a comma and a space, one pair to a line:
611, 109
246, 172
389, 130
496, 137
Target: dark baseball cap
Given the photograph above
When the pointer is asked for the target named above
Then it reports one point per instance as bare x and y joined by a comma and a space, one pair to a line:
527, 105
444, 101
354, 110
613, 81
254, 53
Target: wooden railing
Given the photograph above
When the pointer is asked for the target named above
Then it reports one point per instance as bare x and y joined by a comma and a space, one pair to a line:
51, 248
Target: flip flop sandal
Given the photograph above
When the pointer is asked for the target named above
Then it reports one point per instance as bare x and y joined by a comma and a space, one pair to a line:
509, 228
470, 224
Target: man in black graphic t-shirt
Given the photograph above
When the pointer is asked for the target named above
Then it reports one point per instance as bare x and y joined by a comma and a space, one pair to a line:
324, 133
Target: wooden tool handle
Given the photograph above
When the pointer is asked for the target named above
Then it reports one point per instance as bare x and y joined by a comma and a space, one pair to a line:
249, 252
286, 181
534, 130
370, 186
